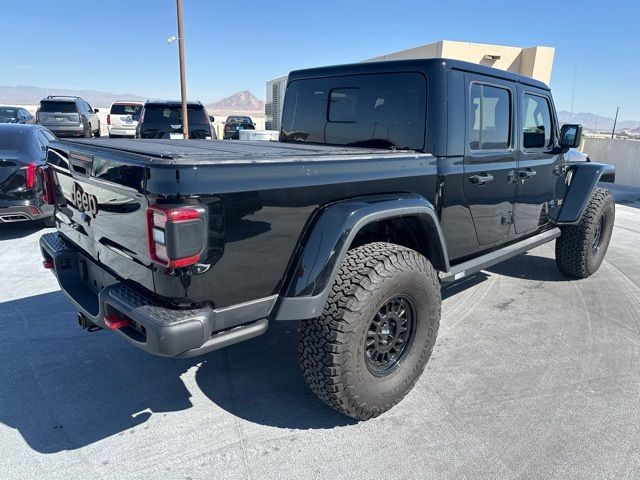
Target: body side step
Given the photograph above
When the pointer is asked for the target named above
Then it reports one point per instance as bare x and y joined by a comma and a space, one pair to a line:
474, 265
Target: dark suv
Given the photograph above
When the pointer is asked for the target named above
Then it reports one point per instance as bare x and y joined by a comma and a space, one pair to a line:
68, 117
163, 119
234, 124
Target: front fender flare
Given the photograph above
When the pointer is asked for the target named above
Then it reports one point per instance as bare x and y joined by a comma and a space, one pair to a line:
584, 178
325, 246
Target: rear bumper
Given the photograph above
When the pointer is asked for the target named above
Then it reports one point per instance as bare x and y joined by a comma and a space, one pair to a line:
121, 132
24, 210
66, 131
153, 327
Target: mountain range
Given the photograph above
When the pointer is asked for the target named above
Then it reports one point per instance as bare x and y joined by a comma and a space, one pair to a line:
243, 101
26, 95
592, 121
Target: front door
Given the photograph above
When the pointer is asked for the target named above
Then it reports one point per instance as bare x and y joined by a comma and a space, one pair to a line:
490, 157
538, 165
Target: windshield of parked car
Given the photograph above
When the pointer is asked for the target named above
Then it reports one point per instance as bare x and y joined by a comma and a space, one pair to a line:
58, 107
373, 111
172, 114
8, 113
125, 109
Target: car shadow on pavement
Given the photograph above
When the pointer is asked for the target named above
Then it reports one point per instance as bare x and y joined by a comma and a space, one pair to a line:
10, 231
531, 267
63, 388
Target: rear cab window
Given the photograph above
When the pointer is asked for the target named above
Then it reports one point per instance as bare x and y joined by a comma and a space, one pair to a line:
373, 111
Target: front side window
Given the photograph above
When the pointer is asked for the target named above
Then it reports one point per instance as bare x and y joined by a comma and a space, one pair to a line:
536, 122
372, 111
489, 118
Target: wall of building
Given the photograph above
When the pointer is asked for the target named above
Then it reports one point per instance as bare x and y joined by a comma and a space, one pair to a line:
535, 62
624, 154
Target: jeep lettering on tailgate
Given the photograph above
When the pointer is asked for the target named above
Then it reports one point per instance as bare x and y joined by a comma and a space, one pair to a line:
84, 201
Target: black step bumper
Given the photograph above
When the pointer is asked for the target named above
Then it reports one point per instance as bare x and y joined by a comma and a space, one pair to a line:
153, 327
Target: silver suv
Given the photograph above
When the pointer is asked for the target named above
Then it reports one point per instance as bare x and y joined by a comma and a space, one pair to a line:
68, 117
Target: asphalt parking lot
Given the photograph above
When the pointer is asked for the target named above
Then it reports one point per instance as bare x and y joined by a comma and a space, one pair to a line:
533, 376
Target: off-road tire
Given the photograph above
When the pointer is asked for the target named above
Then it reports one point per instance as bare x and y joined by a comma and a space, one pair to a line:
97, 132
331, 348
575, 252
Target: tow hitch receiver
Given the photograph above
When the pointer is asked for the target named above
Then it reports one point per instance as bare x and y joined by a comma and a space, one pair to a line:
87, 324
115, 321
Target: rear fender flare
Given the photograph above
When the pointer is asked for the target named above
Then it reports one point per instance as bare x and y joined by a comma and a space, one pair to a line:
583, 179
327, 241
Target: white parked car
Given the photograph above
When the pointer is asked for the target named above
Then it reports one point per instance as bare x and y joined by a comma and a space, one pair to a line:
120, 120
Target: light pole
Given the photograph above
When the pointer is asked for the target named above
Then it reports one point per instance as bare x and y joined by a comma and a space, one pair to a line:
183, 77
615, 121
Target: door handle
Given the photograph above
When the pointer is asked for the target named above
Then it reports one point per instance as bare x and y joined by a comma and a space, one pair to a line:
524, 174
481, 179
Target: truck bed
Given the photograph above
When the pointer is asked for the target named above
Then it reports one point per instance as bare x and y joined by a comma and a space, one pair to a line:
202, 152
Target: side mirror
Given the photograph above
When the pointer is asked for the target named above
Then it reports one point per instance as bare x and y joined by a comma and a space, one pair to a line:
211, 119
570, 135
95, 110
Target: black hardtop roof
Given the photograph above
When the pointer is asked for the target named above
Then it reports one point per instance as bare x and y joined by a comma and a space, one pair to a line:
426, 65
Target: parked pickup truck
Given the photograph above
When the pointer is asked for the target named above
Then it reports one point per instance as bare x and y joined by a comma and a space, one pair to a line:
390, 180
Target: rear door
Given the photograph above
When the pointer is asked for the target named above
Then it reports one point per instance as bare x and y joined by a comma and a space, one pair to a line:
538, 165
490, 156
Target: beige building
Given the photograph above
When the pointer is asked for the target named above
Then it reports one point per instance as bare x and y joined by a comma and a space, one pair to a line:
535, 62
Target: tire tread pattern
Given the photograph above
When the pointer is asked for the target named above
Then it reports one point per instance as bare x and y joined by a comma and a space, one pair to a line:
573, 247
325, 341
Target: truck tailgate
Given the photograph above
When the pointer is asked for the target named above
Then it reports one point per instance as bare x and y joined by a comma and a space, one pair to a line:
103, 211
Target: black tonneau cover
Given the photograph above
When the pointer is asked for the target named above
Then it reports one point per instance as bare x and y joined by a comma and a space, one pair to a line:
168, 152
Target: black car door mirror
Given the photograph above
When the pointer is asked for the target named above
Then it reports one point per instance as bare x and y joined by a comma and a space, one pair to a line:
570, 135
211, 119
95, 110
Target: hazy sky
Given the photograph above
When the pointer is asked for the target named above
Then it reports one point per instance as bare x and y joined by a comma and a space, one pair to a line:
121, 46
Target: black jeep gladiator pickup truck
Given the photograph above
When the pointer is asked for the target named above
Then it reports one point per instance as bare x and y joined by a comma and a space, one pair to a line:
389, 180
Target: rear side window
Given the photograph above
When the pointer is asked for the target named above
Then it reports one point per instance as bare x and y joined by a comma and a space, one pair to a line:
123, 109
58, 107
536, 122
489, 117
172, 115
375, 111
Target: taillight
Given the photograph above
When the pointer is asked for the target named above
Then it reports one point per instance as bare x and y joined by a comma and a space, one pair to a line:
108, 119
30, 175
176, 236
47, 184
